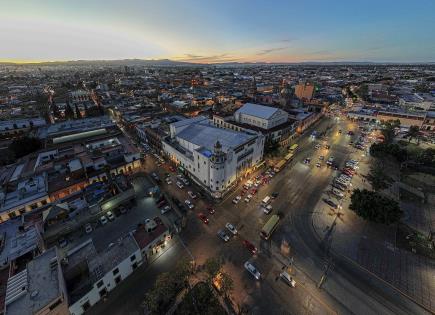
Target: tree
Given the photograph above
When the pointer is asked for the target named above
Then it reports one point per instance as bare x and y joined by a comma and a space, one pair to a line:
413, 132
69, 113
227, 284
374, 207
212, 267
377, 177
78, 113
25, 145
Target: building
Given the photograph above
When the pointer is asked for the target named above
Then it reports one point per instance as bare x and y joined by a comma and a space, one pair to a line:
24, 196
215, 158
264, 117
429, 122
39, 289
11, 129
304, 91
90, 276
151, 238
406, 119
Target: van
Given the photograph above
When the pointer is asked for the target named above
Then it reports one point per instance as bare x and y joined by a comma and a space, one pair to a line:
287, 279
265, 201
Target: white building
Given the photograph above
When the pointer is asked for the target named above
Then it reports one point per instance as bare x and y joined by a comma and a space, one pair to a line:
90, 275
215, 158
261, 116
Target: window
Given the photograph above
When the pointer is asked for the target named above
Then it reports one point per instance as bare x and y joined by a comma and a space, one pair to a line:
132, 258
134, 266
100, 284
55, 304
118, 279
86, 306
116, 271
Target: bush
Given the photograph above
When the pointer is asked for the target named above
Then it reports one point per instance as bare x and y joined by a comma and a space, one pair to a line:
25, 145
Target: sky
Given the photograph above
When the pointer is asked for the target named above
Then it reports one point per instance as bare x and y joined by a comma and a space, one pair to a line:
211, 31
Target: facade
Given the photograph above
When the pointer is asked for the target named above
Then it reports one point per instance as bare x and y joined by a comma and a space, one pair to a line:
261, 116
90, 275
39, 289
304, 91
406, 119
215, 158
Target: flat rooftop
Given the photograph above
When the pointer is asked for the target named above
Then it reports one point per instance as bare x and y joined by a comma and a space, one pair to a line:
34, 287
260, 111
205, 135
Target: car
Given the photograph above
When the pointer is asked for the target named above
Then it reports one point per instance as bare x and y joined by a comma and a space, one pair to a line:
346, 172
318, 164
168, 181
172, 169
321, 158
287, 279
203, 218
211, 210
223, 235
346, 177
165, 209
247, 199
192, 194
337, 193
237, 199
63, 242
110, 215
103, 220
330, 203
339, 186
340, 131
274, 195
189, 204
231, 228
307, 160
180, 185
317, 146
252, 270
350, 133
250, 247
185, 181
158, 220
267, 209
122, 210
161, 204
88, 228
327, 146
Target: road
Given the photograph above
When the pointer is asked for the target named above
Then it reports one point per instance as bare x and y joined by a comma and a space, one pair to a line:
347, 289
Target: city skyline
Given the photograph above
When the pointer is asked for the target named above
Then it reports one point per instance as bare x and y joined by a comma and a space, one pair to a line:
246, 31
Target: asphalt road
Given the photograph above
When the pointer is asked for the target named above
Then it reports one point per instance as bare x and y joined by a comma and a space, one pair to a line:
346, 290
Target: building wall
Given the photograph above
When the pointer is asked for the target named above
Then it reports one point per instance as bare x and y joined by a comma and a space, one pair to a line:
405, 120
107, 282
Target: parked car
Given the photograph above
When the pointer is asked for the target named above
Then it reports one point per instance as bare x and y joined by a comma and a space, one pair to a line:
307, 160
63, 242
180, 185
88, 228
192, 194
165, 209
275, 195
287, 279
318, 164
250, 246
237, 199
189, 204
103, 220
211, 210
330, 203
231, 228
223, 235
267, 209
161, 204
203, 218
158, 220
252, 270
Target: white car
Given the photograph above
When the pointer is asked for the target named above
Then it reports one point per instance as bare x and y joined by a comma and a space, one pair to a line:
103, 220
88, 228
237, 199
231, 228
337, 192
287, 279
165, 209
223, 235
110, 215
180, 185
168, 181
189, 204
267, 209
192, 194
252, 270
247, 199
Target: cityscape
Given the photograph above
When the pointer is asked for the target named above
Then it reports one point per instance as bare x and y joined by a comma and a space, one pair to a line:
179, 157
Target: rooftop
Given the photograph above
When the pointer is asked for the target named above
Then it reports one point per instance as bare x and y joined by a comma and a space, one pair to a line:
257, 110
35, 287
205, 135
144, 238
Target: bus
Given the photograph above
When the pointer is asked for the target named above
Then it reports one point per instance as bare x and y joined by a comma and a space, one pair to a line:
265, 201
289, 157
279, 166
294, 148
269, 227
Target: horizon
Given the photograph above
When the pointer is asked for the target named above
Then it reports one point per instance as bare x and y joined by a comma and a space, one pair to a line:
224, 32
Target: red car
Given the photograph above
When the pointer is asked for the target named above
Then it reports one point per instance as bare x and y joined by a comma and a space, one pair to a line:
161, 203
254, 191
158, 221
171, 168
250, 247
211, 210
203, 217
243, 192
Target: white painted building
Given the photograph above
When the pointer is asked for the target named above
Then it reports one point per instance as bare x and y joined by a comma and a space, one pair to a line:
261, 116
90, 275
215, 158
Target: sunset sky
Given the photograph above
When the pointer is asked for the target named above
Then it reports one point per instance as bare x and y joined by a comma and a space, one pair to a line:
218, 31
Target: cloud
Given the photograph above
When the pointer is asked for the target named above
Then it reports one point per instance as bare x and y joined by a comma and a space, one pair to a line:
270, 50
208, 59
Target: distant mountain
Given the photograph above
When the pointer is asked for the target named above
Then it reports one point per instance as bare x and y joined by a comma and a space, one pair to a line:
172, 63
